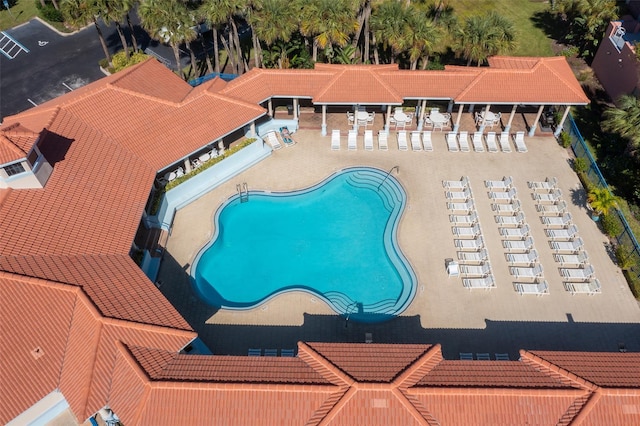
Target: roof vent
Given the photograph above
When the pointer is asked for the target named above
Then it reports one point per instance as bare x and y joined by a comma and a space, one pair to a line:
37, 352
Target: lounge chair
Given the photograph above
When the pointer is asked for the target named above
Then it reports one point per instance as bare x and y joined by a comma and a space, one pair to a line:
352, 140
578, 274
464, 231
368, 140
483, 356
504, 142
572, 259
548, 184
591, 287
254, 352
571, 246
485, 283
272, 139
458, 195
335, 140
552, 209
475, 244
522, 258
526, 272
426, 141
463, 140
416, 143
286, 136
476, 140
562, 234
563, 220
383, 140
270, 352
552, 197
456, 184
510, 220
402, 140
491, 142
467, 219
466, 356
467, 206
513, 207
520, 232
452, 145
521, 245
501, 195
477, 256
287, 352
538, 288
505, 183
502, 357
475, 270
518, 140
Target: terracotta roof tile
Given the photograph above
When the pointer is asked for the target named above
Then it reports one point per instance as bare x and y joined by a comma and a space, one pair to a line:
356, 84
613, 410
143, 79
374, 407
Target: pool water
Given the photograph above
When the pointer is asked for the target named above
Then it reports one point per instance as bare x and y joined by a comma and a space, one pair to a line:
336, 240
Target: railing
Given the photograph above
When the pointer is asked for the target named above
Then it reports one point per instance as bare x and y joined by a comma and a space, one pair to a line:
626, 237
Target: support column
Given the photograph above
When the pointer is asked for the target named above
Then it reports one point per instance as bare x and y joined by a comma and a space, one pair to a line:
423, 106
252, 129
565, 114
324, 121
471, 108
270, 108
456, 126
483, 123
387, 119
450, 107
187, 165
295, 108
532, 130
513, 114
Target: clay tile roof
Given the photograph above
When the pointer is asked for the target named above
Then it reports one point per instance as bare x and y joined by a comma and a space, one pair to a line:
172, 89
359, 83
609, 369
163, 365
370, 362
488, 374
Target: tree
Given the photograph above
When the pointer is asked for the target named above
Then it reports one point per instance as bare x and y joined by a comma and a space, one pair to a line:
221, 12
601, 200
364, 21
114, 11
484, 36
275, 21
625, 121
422, 37
78, 13
389, 26
328, 22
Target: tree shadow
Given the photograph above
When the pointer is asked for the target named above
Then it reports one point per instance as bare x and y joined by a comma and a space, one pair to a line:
552, 26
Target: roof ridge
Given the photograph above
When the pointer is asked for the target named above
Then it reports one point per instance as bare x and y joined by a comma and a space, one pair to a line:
323, 365
419, 368
144, 95
336, 76
408, 405
532, 360
577, 408
321, 412
10, 145
544, 62
471, 84
420, 407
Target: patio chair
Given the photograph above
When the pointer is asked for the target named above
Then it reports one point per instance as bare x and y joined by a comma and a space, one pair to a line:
475, 244
510, 220
539, 288
519, 232
505, 183
591, 287
286, 136
571, 246
502, 195
584, 273
426, 141
513, 207
484, 283
572, 259
466, 356
482, 270
456, 184
335, 140
477, 256
368, 140
502, 357
458, 195
466, 231
273, 141
463, 140
528, 258
477, 142
553, 197
491, 142
451, 142
526, 272
428, 123
562, 234
383, 140
548, 184
467, 219
466, 206
402, 140
416, 143
521, 245
350, 117
552, 209
504, 142
352, 143
518, 140
563, 220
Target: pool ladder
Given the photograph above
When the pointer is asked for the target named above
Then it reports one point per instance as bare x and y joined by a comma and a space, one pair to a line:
243, 192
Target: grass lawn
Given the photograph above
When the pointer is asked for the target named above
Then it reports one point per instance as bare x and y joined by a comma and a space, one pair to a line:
532, 41
22, 11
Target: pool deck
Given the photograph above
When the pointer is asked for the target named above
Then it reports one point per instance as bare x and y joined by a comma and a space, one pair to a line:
443, 311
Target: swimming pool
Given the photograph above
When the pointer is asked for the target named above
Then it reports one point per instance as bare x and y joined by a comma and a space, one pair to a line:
335, 240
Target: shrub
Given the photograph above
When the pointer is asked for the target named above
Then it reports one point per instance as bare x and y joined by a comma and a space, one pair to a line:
580, 165
565, 139
120, 62
611, 225
49, 13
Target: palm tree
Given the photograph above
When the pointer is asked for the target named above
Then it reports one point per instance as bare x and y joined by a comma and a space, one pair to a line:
114, 11
364, 20
587, 20
625, 121
275, 21
390, 28
484, 36
329, 22
422, 37
77, 13
602, 200
221, 12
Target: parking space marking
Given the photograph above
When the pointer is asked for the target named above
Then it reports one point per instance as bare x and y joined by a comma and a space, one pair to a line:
9, 46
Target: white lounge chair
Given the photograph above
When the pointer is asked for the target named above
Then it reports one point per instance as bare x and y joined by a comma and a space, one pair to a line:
518, 140
463, 140
452, 145
368, 140
513, 207
458, 195
522, 258
456, 184
552, 197
504, 142
485, 283
467, 219
520, 245
526, 272
563, 220
475, 244
476, 140
352, 143
548, 184
475, 270
502, 195
572, 246
416, 143
464, 231
580, 274
505, 183
383, 140
510, 220
273, 141
520, 232
477, 256
335, 140
572, 259
538, 288
491, 142
592, 287
552, 209
467, 206
402, 140
426, 140
562, 234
